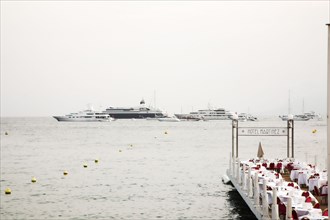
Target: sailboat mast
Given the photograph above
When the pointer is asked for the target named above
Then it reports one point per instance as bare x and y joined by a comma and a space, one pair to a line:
155, 98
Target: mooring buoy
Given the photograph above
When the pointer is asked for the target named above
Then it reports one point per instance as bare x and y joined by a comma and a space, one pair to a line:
8, 191
33, 180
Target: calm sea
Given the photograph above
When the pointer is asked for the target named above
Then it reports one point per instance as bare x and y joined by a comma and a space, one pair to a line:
143, 173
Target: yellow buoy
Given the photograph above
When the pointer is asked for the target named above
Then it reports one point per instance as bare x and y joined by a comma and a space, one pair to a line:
65, 173
314, 131
6, 133
96, 160
8, 191
85, 165
165, 132
33, 180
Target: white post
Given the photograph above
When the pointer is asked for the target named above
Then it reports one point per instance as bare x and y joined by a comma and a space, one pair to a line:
230, 164
264, 199
249, 182
289, 209
244, 177
275, 215
256, 190
234, 169
238, 174
328, 111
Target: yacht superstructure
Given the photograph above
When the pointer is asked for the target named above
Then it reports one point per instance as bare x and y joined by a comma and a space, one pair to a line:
138, 112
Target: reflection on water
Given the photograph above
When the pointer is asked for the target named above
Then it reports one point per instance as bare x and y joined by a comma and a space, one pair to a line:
238, 208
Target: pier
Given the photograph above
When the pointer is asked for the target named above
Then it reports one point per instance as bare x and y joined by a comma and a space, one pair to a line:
277, 188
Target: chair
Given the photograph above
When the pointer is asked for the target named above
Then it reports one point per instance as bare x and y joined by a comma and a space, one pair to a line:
308, 199
271, 166
282, 209
278, 201
294, 215
291, 184
316, 191
305, 193
264, 165
325, 212
279, 167
316, 205
322, 196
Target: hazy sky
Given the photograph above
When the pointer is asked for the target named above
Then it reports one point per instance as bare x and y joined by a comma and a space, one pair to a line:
57, 56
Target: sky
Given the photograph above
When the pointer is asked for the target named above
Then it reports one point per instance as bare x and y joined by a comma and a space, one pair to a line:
246, 56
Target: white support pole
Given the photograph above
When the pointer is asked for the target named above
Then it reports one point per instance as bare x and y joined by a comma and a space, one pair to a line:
244, 177
249, 182
230, 164
275, 215
264, 199
289, 209
256, 190
238, 174
234, 167
328, 111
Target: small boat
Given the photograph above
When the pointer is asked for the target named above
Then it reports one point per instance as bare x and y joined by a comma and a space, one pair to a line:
246, 117
169, 119
189, 117
85, 116
295, 117
313, 116
242, 118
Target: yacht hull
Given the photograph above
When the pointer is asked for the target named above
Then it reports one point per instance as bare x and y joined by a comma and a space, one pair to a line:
66, 119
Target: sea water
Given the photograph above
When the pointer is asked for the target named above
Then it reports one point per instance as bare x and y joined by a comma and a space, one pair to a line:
146, 170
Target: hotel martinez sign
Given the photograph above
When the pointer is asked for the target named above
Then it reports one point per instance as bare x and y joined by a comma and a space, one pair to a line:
260, 131
287, 132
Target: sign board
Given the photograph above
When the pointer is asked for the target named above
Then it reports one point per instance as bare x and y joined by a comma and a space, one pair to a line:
262, 131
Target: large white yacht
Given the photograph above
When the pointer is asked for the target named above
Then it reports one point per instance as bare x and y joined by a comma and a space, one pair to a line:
213, 114
85, 116
138, 112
